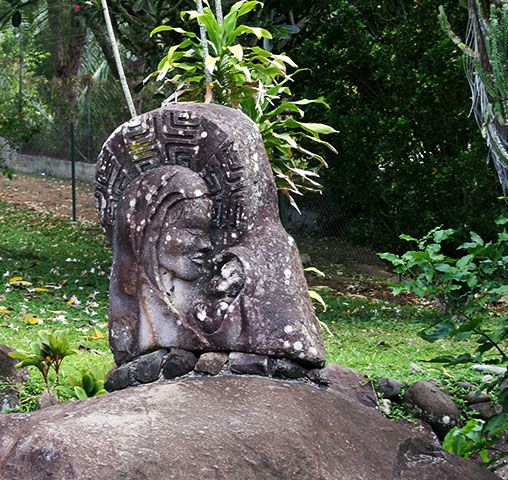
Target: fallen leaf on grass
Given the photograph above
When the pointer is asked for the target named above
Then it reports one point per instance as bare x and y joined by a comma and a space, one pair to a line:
19, 283
33, 320
98, 335
39, 289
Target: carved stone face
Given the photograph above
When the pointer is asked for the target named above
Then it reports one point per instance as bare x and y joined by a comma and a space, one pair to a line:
184, 243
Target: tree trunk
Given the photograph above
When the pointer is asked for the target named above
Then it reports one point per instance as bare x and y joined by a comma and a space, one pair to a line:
68, 32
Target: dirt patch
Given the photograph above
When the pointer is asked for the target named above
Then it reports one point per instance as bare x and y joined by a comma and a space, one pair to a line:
49, 195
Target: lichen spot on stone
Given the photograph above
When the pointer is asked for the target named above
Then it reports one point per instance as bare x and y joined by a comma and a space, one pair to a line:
298, 345
313, 351
288, 328
132, 203
204, 134
198, 193
445, 420
287, 273
148, 197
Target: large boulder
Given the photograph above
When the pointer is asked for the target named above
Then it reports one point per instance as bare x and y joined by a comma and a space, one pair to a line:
227, 427
9, 375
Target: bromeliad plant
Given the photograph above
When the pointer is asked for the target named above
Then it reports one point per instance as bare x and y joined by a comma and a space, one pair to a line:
251, 79
89, 384
47, 353
466, 289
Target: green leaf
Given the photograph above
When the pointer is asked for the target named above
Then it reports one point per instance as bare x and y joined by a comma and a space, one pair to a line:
441, 235
462, 262
259, 32
315, 128
210, 63
315, 270
451, 360
80, 393
16, 19
314, 295
237, 51
247, 7
165, 28
88, 383
476, 238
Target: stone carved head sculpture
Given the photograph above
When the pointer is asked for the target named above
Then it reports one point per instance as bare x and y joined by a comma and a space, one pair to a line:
161, 244
201, 262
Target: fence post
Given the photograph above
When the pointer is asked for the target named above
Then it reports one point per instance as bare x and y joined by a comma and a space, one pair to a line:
73, 175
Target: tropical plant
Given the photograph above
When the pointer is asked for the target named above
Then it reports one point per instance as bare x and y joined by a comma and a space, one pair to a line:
466, 288
251, 79
89, 384
480, 438
486, 54
47, 353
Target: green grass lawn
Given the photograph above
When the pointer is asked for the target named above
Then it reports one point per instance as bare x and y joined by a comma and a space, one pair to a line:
54, 275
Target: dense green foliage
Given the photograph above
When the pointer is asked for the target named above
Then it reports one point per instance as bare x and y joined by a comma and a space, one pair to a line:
228, 72
409, 156
467, 288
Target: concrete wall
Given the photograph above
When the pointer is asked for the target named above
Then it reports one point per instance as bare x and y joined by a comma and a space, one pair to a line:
53, 167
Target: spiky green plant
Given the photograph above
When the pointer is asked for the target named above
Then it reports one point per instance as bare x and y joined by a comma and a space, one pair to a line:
486, 59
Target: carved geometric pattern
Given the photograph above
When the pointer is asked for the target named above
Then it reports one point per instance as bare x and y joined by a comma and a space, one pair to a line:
169, 137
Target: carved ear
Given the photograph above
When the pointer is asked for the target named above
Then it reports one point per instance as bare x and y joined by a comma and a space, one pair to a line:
229, 278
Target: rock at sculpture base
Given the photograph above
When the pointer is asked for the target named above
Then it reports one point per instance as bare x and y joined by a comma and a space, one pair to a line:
227, 428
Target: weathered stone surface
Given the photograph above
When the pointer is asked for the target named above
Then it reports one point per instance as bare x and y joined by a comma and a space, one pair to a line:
221, 428
248, 363
426, 401
177, 363
118, 379
211, 362
475, 397
12, 376
8, 400
8, 372
287, 369
317, 375
147, 367
352, 384
200, 260
46, 400
389, 388
466, 385
485, 409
